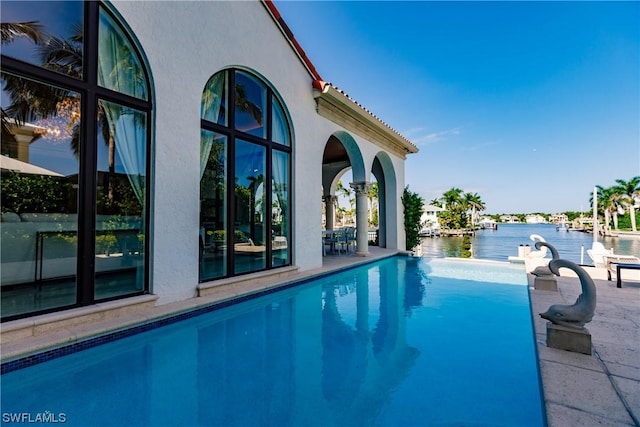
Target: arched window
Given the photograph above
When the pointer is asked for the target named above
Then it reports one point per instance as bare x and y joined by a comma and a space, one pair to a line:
245, 169
76, 112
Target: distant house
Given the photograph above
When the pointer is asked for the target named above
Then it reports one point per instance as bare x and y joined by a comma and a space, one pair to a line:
558, 218
429, 216
535, 219
509, 219
487, 223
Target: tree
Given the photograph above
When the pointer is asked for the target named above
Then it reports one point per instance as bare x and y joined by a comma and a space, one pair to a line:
413, 205
473, 201
607, 204
630, 191
452, 197
373, 195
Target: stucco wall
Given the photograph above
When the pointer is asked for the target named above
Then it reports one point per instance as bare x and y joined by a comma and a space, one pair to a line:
185, 43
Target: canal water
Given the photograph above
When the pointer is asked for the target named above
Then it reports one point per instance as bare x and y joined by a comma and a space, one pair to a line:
499, 244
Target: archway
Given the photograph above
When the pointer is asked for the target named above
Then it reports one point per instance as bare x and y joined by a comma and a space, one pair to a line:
384, 172
341, 154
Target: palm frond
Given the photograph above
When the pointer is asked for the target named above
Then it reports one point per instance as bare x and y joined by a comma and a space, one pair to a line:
30, 29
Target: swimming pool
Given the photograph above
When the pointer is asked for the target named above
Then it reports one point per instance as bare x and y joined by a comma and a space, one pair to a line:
349, 349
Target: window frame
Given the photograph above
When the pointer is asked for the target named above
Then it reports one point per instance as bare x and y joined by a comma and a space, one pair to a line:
91, 93
233, 134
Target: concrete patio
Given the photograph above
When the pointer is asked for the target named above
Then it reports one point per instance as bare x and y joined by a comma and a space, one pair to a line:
601, 389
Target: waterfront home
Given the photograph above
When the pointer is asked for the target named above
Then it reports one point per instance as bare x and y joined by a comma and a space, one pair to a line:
487, 223
558, 218
535, 219
429, 217
184, 145
511, 219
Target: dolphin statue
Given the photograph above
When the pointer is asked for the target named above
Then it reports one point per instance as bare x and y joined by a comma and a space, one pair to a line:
573, 316
543, 270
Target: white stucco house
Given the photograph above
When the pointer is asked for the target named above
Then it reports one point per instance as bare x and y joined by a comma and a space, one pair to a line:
194, 144
429, 217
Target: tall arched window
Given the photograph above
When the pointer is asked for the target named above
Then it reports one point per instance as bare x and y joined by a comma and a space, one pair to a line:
245, 170
76, 111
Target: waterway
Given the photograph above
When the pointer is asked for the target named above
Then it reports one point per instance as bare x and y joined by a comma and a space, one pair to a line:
499, 244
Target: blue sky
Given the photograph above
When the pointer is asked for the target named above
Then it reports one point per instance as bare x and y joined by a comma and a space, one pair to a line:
529, 104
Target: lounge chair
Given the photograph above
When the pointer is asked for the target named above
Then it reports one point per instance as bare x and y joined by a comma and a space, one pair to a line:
249, 248
279, 242
597, 254
611, 262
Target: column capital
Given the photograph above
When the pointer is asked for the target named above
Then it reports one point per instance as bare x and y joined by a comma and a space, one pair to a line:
329, 198
361, 188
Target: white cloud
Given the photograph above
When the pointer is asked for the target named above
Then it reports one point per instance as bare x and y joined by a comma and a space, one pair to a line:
430, 138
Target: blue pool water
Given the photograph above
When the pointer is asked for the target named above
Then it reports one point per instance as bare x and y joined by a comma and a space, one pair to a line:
402, 342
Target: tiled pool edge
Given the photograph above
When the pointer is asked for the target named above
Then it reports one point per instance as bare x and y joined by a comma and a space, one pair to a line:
73, 341
545, 416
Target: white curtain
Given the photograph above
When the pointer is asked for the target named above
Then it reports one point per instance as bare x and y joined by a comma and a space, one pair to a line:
119, 68
131, 143
281, 181
210, 110
279, 130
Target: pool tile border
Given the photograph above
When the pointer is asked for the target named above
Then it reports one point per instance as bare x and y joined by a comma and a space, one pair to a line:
127, 331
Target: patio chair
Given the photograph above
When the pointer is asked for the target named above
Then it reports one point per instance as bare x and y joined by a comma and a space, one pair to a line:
341, 241
329, 239
597, 254
350, 235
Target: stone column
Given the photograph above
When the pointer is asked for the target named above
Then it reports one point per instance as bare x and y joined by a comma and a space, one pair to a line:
330, 210
362, 222
23, 142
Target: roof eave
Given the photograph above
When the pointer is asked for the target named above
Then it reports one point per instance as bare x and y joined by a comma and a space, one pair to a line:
336, 106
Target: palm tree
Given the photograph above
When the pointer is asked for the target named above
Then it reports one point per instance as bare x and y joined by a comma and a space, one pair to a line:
436, 202
630, 191
344, 191
373, 195
473, 201
609, 203
452, 197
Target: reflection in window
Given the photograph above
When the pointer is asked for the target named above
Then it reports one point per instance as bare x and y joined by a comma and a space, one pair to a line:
39, 180
249, 234
213, 205
251, 98
280, 209
252, 218
51, 257
120, 200
119, 67
214, 101
44, 33
279, 128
